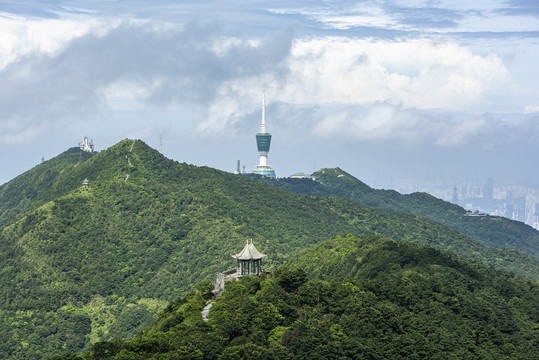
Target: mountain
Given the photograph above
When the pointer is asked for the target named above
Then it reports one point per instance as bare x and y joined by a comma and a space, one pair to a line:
350, 298
39, 184
84, 264
494, 231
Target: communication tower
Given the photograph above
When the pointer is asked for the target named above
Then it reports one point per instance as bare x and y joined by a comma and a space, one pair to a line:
86, 145
263, 141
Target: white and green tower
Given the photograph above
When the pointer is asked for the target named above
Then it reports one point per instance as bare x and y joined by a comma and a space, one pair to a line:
263, 141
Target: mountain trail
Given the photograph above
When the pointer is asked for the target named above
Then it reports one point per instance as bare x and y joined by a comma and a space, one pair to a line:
128, 161
206, 311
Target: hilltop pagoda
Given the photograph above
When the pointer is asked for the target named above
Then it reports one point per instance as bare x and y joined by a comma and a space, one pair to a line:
249, 260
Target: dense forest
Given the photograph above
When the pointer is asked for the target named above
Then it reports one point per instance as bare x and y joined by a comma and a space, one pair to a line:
497, 231
38, 184
82, 265
349, 298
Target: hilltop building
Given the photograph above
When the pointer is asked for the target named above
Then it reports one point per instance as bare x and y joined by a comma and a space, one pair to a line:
301, 176
263, 141
86, 145
238, 171
249, 260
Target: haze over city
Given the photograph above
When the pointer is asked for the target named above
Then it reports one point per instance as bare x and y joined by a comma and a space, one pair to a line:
382, 89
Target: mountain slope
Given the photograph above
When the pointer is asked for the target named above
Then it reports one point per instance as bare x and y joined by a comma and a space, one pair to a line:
351, 298
41, 181
97, 262
497, 232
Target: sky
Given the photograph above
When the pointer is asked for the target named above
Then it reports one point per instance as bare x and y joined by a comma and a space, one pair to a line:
402, 89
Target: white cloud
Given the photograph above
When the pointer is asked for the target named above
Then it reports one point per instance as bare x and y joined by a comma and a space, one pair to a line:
126, 66
43, 37
493, 22
380, 121
373, 91
419, 73
384, 122
530, 109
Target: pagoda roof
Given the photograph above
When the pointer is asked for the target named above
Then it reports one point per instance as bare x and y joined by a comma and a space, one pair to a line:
249, 252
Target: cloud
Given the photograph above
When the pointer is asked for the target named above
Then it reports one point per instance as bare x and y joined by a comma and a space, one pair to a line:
385, 122
521, 7
160, 64
45, 37
420, 73
370, 90
531, 109
132, 65
382, 121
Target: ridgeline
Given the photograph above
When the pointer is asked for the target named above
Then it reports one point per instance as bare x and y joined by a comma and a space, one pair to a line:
85, 264
494, 231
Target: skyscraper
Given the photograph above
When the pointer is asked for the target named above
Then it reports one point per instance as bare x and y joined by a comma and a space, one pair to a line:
455, 195
521, 208
263, 141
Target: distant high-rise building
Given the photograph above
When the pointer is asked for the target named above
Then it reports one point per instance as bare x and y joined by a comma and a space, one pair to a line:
263, 141
455, 195
488, 194
488, 189
521, 208
509, 205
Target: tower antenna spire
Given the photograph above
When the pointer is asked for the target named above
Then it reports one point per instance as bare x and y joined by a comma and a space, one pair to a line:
263, 127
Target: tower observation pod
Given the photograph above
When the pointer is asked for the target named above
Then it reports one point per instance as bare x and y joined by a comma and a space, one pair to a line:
263, 141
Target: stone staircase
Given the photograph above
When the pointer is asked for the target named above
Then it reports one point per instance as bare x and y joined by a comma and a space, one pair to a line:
218, 289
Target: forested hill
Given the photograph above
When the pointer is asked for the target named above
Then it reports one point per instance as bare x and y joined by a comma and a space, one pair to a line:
83, 264
496, 231
39, 184
350, 298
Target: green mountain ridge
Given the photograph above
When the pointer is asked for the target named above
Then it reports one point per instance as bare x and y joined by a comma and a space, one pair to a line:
496, 231
350, 298
38, 184
80, 265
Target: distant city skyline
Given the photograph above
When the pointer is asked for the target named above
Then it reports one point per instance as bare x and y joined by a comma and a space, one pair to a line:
511, 200
403, 89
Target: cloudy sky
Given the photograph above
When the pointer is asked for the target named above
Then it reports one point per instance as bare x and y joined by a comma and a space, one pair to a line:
415, 89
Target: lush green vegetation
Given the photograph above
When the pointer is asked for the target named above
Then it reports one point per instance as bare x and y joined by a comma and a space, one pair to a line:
37, 185
148, 229
350, 298
497, 232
